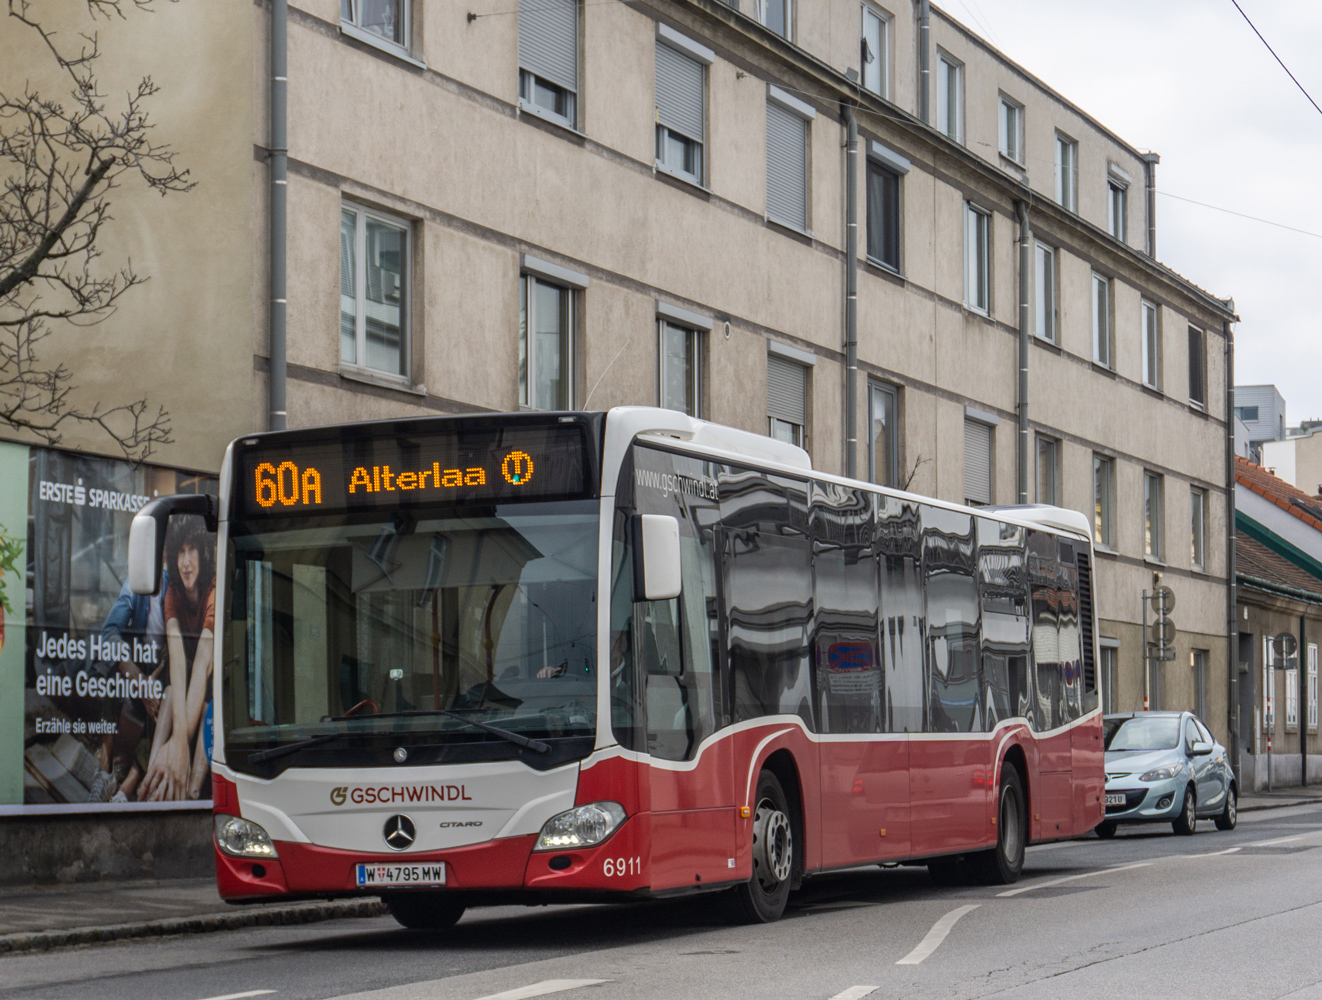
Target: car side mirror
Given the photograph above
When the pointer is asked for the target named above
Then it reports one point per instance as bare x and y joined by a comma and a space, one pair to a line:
147, 535
1200, 749
656, 570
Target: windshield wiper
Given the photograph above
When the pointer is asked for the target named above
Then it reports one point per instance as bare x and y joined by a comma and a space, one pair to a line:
274, 753
536, 745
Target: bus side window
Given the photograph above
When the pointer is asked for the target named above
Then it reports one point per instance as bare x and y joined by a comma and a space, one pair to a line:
953, 625
898, 539
1003, 598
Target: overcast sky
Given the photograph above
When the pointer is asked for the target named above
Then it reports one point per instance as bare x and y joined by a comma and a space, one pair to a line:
1189, 80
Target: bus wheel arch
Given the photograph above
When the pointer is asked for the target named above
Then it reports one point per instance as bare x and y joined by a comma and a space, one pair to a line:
1014, 757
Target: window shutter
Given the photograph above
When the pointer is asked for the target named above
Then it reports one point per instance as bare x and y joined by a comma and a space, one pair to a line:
787, 390
548, 41
977, 461
787, 167
679, 92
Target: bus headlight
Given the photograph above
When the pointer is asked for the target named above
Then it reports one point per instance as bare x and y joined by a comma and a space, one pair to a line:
243, 839
582, 826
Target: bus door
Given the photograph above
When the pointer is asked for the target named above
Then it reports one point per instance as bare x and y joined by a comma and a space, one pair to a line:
1057, 669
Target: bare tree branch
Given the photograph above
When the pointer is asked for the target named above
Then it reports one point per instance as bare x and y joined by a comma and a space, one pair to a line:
918, 463
61, 157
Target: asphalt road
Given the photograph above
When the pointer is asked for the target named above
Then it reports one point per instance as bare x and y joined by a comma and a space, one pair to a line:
1150, 914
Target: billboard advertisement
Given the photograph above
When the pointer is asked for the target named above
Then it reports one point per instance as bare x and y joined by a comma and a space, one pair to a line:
117, 687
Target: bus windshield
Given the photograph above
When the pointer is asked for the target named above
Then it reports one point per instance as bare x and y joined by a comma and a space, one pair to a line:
368, 623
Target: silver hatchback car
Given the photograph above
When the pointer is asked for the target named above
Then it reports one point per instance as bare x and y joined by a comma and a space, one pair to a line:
1165, 767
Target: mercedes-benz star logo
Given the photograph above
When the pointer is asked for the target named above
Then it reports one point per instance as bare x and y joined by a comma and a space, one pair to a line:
399, 833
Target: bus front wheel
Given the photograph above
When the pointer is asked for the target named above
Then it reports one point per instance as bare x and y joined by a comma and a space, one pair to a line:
424, 911
1003, 863
762, 898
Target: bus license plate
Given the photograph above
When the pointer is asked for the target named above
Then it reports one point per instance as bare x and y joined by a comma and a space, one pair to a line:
428, 874
1112, 799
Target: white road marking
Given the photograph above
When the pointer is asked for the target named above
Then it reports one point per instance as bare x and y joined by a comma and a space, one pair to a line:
936, 935
1070, 878
856, 993
1278, 840
1053, 847
241, 996
543, 988
1213, 854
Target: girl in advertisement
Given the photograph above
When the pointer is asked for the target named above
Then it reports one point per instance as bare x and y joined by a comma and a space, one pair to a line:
178, 767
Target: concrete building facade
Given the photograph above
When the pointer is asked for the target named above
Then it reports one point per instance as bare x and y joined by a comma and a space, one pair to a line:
582, 205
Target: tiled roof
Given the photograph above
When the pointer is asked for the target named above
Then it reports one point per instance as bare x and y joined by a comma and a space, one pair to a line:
1254, 559
1295, 501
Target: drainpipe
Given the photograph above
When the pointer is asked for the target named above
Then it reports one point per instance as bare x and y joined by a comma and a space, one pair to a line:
1232, 629
279, 154
1150, 161
924, 61
851, 294
1025, 273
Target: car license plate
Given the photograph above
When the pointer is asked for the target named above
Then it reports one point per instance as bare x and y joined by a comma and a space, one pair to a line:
422, 874
1112, 799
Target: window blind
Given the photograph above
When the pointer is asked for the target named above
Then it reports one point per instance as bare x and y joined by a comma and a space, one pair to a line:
548, 41
679, 103
787, 167
977, 461
787, 390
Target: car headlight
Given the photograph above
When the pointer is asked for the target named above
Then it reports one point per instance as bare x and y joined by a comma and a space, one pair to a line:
243, 839
1162, 773
581, 826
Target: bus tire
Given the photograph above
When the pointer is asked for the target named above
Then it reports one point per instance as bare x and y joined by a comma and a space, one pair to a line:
424, 911
762, 898
1005, 862
1106, 829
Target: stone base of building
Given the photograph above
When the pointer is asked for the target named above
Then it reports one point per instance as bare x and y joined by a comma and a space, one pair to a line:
1286, 770
111, 846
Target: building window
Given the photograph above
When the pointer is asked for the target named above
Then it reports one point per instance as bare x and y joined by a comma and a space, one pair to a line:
680, 383
1109, 665
1101, 319
387, 20
787, 399
1103, 491
548, 59
1048, 470
1151, 346
1012, 129
787, 165
1197, 367
1067, 172
1292, 694
1248, 414
977, 462
1153, 500
883, 435
876, 52
546, 345
883, 215
950, 97
1044, 291
1197, 524
1312, 687
374, 255
977, 257
774, 14
1117, 210
1198, 665
680, 113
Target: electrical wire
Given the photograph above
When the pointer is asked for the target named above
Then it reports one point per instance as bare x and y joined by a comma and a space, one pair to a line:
1279, 60
1231, 211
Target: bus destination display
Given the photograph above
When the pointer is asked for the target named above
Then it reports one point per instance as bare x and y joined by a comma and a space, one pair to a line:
365, 473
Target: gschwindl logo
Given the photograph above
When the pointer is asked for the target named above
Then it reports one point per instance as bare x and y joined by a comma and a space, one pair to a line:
338, 795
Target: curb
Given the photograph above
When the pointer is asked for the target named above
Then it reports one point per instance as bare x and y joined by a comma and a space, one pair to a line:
277, 916
1279, 805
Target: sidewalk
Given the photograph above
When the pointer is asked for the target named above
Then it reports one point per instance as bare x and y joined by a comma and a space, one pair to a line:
1280, 798
59, 916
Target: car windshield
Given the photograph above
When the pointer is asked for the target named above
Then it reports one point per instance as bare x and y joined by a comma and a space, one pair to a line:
1159, 733
488, 613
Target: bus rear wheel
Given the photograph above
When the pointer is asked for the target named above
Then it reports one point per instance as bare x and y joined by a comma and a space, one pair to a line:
424, 911
762, 898
1003, 863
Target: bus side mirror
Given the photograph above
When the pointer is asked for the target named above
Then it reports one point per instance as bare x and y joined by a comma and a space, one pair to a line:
147, 535
656, 557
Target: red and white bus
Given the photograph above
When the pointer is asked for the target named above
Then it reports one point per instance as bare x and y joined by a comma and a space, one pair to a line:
603, 656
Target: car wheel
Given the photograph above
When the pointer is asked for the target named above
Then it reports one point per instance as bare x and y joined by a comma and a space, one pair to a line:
424, 911
1106, 829
1230, 814
1187, 821
1003, 863
762, 898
